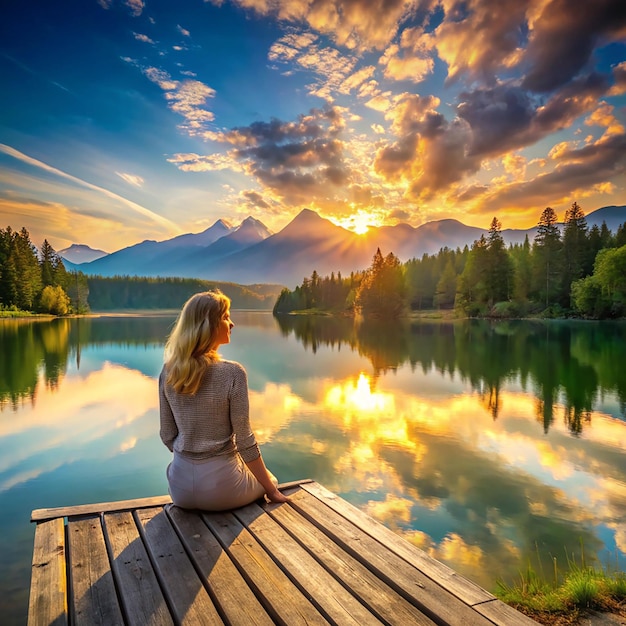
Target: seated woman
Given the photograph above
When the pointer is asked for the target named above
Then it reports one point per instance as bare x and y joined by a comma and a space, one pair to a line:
204, 410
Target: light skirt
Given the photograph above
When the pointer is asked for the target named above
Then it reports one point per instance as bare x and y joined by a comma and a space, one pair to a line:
216, 484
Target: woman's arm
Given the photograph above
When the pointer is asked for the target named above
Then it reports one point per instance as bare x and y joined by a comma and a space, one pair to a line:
257, 467
169, 430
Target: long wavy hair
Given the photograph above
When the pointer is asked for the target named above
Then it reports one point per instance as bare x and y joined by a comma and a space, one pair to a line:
191, 345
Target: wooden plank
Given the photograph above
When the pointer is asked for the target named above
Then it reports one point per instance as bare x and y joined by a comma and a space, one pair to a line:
501, 613
93, 598
229, 590
380, 599
186, 596
101, 507
47, 604
431, 598
461, 587
140, 595
280, 597
330, 597
39, 515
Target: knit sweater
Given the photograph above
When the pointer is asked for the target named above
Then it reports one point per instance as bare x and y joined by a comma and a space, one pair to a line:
213, 421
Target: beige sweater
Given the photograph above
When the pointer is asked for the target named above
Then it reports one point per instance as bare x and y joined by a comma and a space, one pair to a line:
213, 421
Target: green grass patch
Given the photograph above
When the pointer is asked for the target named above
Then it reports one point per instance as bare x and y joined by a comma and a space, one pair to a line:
565, 596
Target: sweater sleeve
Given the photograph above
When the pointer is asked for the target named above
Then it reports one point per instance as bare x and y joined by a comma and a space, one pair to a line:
240, 417
169, 430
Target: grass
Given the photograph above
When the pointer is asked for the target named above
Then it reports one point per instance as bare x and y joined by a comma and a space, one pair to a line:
564, 599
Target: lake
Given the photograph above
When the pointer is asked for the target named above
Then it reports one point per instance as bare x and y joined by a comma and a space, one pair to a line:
491, 445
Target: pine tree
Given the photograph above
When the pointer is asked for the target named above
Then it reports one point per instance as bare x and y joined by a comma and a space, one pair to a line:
547, 258
575, 251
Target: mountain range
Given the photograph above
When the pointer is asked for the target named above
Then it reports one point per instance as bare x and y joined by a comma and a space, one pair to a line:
250, 253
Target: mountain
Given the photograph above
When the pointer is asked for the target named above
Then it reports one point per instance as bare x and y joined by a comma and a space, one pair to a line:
147, 257
80, 253
250, 253
614, 216
249, 232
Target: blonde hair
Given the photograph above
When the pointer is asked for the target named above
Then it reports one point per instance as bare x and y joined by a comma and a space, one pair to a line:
191, 345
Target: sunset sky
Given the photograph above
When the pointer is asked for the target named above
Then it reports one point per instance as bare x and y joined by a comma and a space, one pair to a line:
125, 120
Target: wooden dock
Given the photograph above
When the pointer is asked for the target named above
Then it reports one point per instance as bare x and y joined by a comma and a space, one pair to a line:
314, 560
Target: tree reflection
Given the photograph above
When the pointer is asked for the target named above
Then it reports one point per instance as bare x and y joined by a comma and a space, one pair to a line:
573, 363
30, 348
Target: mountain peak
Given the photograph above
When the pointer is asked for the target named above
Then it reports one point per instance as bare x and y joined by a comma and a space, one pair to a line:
81, 253
250, 231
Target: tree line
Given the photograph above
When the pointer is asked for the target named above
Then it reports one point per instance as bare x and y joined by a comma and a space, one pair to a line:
32, 280
571, 270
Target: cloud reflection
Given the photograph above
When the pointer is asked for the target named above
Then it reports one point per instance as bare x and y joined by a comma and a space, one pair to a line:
100, 407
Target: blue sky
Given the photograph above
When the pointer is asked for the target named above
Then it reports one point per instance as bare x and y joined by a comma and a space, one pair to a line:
125, 120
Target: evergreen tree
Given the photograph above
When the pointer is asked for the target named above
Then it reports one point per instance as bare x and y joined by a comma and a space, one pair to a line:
381, 292
575, 251
446, 287
473, 293
521, 256
547, 259
499, 275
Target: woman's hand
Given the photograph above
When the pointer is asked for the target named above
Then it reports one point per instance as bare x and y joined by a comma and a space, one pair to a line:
277, 496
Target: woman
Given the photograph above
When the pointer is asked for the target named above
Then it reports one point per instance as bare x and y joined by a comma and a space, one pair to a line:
204, 413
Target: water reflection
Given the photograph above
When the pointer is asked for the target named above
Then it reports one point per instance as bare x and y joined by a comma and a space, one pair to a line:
488, 445
569, 363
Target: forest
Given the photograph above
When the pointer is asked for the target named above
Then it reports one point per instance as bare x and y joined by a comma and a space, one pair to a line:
567, 271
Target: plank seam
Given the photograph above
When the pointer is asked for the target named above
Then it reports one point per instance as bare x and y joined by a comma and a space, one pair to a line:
362, 601
429, 612
265, 603
285, 571
205, 583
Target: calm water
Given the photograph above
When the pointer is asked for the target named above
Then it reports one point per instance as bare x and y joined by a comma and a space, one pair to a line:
487, 445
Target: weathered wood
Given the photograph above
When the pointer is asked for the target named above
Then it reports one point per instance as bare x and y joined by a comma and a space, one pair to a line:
280, 597
230, 591
501, 613
378, 597
39, 515
461, 587
187, 598
331, 598
47, 604
94, 600
140, 595
313, 560
406, 579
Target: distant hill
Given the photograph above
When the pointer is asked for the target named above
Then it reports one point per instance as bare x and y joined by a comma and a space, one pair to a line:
250, 253
80, 253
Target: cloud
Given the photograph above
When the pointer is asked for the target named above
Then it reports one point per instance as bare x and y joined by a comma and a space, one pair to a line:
254, 199
430, 153
144, 38
619, 75
479, 38
562, 40
132, 179
354, 24
297, 161
186, 97
506, 117
183, 31
329, 64
136, 6
578, 171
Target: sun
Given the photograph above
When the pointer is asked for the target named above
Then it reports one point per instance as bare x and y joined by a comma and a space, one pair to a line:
359, 222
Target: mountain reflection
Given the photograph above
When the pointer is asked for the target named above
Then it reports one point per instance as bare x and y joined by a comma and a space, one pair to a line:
568, 363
